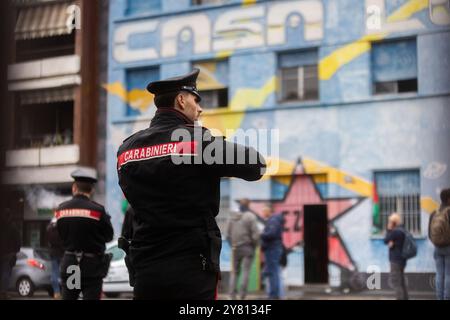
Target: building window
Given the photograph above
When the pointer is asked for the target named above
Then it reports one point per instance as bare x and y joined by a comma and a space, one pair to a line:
41, 48
394, 67
44, 118
212, 83
200, 2
397, 191
212, 99
298, 76
142, 6
137, 80
41, 30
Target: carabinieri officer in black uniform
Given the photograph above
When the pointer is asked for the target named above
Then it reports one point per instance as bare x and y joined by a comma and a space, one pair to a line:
84, 227
170, 174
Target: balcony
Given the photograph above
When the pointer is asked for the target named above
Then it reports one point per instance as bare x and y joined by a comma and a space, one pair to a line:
38, 157
47, 165
44, 73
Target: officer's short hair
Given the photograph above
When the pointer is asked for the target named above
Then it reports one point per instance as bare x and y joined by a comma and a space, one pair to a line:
84, 186
166, 100
445, 195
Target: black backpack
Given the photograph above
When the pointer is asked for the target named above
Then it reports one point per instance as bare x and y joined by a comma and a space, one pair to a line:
409, 249
283, 258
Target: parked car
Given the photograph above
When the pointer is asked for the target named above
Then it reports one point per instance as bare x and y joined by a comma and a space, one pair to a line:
117, 280
32, 272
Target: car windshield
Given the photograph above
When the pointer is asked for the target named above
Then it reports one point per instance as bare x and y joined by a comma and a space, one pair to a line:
42, 254
116, 252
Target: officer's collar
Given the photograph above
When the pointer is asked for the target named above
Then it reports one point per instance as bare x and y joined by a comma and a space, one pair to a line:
175, 113
81, 195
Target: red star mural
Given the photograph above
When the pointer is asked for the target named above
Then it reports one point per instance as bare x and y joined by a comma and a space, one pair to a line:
303, 191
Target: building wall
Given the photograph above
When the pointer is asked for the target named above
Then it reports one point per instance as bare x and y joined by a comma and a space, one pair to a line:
346, 134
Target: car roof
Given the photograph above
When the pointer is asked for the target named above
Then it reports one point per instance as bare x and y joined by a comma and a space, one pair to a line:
31, 252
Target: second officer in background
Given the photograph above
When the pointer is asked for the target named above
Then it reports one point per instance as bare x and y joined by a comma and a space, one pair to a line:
85, 228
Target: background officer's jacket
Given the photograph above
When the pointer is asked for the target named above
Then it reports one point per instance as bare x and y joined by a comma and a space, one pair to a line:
83, 225
171, 201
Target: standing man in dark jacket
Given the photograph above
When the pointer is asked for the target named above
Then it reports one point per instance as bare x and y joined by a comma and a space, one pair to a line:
394, 239
170, 174
9, 246
272, 246
56, 254
84, 227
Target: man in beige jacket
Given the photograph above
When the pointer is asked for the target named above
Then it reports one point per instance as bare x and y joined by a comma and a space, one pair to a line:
243, 235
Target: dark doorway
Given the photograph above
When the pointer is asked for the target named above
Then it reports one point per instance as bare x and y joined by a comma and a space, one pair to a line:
315, 244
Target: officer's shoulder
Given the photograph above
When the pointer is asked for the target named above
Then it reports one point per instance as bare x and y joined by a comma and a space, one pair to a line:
195, 127
65, 204
132, 137
100, 206
205, 131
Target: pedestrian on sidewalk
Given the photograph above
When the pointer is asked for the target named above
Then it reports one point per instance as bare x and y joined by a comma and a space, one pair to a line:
56, 254
439, 234
272, 247
395, 238
243, 235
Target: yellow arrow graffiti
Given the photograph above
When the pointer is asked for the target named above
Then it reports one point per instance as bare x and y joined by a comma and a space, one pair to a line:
226, 122
330, 64
139, 99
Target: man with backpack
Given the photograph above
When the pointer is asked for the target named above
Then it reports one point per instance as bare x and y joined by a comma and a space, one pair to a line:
243, 235
439, 234
395, 238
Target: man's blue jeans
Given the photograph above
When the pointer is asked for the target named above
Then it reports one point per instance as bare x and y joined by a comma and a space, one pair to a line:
272, 270
55, 275
442, 259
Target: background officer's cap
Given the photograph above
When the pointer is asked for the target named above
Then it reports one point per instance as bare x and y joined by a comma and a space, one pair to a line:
84, 175
186, 82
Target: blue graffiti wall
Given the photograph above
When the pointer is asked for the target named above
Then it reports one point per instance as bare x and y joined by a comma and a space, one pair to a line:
380, 91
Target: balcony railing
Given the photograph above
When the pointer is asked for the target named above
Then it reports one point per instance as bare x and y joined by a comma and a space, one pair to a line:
37, 157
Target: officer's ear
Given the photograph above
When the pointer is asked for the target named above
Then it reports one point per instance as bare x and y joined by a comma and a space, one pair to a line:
180, 101
74, 188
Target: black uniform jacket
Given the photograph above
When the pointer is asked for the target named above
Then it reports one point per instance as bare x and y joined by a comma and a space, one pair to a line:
175, 204
83, 225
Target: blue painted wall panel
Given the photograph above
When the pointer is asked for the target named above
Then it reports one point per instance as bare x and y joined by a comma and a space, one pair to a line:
352, 82
434, 59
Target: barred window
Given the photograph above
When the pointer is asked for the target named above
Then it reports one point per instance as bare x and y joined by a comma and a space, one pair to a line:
399, 191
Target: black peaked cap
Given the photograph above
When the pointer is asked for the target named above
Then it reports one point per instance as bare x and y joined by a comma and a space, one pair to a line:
185, 82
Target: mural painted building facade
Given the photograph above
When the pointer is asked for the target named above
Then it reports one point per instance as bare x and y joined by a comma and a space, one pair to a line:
358, 89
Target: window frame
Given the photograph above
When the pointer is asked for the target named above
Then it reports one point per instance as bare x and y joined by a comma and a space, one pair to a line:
206, 2
414, 218
396, 82
303, 77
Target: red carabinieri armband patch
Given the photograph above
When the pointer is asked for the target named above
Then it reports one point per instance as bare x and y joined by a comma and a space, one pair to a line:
78, 213
188, 148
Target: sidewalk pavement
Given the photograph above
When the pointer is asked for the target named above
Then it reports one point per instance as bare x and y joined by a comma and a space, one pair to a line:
327, 293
